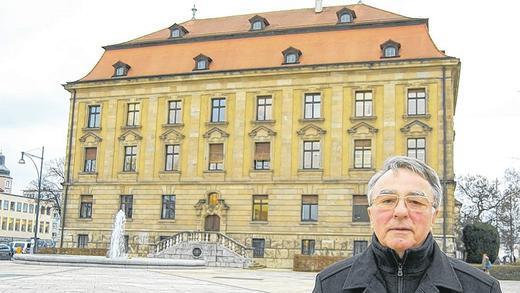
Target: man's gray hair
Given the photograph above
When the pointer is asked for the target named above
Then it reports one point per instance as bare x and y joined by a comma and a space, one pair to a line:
414, 165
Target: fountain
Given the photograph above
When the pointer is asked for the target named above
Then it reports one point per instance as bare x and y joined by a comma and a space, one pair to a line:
117, 240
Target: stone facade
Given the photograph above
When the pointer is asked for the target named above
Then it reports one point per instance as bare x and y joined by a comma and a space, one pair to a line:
335, 181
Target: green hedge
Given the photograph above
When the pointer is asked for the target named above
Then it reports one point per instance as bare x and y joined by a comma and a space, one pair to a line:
504, 272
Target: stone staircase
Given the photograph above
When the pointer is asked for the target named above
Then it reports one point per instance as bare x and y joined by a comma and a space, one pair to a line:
217, 249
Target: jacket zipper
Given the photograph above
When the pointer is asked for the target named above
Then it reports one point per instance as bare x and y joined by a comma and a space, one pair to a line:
399, 277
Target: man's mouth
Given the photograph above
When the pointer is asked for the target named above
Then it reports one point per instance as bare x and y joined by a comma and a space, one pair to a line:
400, 229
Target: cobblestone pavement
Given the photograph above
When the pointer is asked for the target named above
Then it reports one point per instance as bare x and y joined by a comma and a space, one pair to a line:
45, 278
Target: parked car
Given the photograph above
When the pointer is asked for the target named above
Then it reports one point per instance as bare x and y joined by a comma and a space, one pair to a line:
6, 252
20, 246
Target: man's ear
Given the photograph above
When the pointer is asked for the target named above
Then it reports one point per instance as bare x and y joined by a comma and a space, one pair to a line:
435, 214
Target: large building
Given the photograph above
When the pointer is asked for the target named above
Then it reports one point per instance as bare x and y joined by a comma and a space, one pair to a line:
265, 127
18, 212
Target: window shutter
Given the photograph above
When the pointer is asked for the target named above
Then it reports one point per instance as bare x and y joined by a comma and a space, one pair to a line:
90, 153
216, 152
360, 200
262, 151
310, 199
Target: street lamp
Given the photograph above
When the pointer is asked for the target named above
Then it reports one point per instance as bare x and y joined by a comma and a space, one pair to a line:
39, 173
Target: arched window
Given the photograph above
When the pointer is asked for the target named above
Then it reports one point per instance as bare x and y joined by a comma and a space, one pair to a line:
120, 69
176, 33
345, 18
291, 56
390, 49
345, 15
202, 62
257, 25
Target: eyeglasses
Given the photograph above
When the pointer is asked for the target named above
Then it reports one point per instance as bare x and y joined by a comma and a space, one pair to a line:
412, 202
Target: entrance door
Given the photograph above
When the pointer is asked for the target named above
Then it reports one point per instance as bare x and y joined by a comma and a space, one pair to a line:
212, 223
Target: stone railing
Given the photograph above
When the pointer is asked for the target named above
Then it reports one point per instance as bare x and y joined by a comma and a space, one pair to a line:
204, 236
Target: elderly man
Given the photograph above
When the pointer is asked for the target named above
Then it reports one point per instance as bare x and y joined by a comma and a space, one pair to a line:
404, 199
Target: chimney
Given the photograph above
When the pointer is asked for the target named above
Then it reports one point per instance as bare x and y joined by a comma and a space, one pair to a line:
319, 6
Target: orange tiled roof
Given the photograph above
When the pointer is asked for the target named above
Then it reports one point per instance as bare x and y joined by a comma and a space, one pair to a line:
264, 51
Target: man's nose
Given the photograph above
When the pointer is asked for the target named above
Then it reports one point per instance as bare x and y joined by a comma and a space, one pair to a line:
400, 209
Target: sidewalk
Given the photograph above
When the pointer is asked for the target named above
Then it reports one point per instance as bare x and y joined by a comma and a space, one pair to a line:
45, 278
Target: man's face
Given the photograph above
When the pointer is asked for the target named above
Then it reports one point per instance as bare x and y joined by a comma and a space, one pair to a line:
401, 228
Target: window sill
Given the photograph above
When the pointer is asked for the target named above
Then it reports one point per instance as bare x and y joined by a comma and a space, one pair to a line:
91, 129
311, 120
312, 223
172, 172
166, 220
85, 219
173, 125
361, 223
221, 123
259, 222
409, 116
126, 127
362, 169
214, 171
255, 122
88, 174
357, 118
262, 171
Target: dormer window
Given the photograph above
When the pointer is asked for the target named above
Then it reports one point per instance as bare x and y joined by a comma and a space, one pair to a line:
177, 31
390, 49
291, 56
346, 15
120, 69
202, 62
258, 23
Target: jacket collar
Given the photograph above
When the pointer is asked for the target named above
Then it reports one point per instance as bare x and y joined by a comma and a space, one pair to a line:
364, 274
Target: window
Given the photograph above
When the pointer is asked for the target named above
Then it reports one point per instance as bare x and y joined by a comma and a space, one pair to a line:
11, 224
417, 148
311, 155
4, 223
130, 162
6, 205
172, 157
23, 226
202, 62
216, 157
359, 208
46, 227
82, 240
390, 49
363, 104
90, 160
18, 206
257, 25
218, 110
168, 207
120, 69
176, 33
362, 153
416, 102
291, 56
309, 211
345, 18
132, 118
308, 246
127, 203
17, 225
7, 184
85, 210
30, 227
25, 207
262, 155
174, 112
360, 246
258, 247
31, 208
13, 206
40, 228
264, 106
42, 210
260, 207
94, 116
312, 106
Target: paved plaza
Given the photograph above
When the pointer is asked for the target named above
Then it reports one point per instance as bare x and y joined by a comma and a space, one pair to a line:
16, 277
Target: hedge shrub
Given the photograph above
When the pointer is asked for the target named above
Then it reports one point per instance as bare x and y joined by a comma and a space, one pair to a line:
478, 239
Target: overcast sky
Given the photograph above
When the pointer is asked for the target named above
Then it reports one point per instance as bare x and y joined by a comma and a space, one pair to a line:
44, 44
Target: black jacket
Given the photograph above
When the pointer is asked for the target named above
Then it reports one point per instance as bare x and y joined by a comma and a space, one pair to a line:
444, 274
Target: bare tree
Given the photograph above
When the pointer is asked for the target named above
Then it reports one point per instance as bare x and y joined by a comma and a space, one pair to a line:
52, 182
509, 212
480, 198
